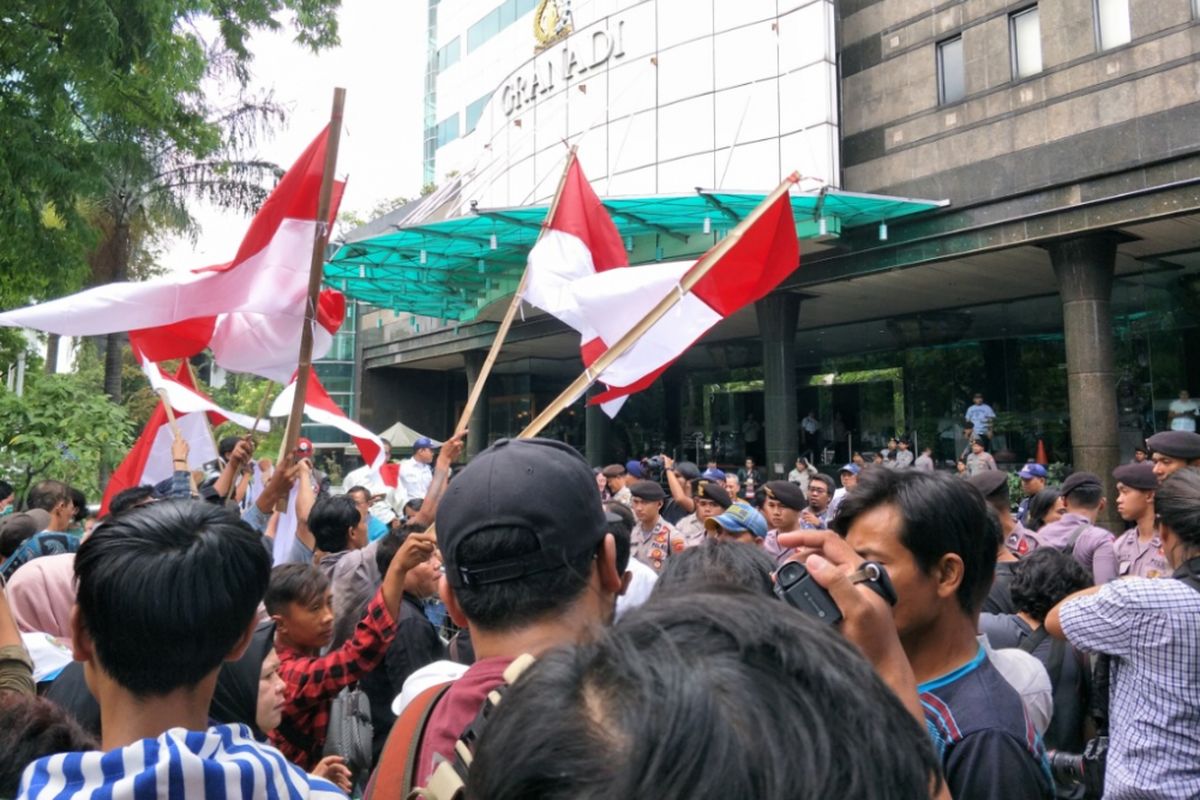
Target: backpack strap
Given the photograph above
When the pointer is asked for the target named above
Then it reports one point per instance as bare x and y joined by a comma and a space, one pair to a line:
1031, 642
1075, 534
397, 767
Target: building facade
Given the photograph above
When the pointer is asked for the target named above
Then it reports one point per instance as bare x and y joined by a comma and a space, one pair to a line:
1062, 280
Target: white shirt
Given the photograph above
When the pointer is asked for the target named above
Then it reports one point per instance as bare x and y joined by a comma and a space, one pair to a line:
640, 585
415, 478
1025, 673
1186, 422
363, 476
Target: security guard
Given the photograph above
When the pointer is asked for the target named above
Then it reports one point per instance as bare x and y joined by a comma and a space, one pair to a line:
1139, 550
711, 499
782, 506
1173, 450
653, 539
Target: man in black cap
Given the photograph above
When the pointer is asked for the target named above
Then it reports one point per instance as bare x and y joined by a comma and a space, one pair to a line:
653, 539
784, 502
1076, 532
710, 499
616, 476
1014, 539
528, 567
1173, 450
1139, 550
679, 483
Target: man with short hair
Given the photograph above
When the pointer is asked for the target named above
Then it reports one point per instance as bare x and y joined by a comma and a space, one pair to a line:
1182, 412
816, 516
924, 461
802, 473
848, 475
54, 497
980, 415
1139, 551
783, 505
749, 472
979, 460
1173, 450
152, 645
1033, 480
904, 454
54, 505
1076, 533
416, 473
710, 499
931, 532
1014, 539
653, 539
1140, 454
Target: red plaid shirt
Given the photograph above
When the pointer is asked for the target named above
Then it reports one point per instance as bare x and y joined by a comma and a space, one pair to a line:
313, 682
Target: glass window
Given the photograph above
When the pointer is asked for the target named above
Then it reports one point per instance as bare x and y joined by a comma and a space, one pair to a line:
525, 6
484, 29
475, 111
952, 85
1112, 23
448, 55
1026, 34
447, 130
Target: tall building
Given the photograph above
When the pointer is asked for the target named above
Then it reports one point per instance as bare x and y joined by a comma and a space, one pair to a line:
1061, 277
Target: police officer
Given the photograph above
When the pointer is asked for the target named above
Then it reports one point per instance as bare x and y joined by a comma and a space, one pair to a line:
1139, 550
1173, 450
782, 506
1076, 533
1033, 480
711, 499
653, 539
617, 478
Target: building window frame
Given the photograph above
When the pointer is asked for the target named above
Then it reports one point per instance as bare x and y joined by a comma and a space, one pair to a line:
946, 89
1106, 41
1018, 55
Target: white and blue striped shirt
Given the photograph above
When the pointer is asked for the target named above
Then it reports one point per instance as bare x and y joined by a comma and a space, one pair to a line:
223, 763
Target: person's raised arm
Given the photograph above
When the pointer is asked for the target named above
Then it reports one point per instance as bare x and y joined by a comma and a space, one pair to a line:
678, 492
181, 476
449, 453
277, 488
306, 498
417, 549
240, 457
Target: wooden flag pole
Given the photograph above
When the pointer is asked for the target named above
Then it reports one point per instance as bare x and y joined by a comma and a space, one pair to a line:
175, 433
502, 332
689, 280
304, 366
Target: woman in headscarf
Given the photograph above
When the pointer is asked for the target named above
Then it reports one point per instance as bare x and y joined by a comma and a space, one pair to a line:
41, 594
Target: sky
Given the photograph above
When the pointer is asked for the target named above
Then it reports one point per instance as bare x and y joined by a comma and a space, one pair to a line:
381, 64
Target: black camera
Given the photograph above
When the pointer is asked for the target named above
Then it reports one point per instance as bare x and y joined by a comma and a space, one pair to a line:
796, 586
1080, 776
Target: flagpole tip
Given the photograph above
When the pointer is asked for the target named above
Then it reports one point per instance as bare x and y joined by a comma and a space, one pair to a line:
794, 177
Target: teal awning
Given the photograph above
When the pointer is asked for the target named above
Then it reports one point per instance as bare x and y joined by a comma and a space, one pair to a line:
450, 269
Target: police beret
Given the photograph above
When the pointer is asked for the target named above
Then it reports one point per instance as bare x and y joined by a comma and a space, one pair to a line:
1077, 480
647, 490
989, 482
1137, 476
613, 471
687, 470
711, 490
1177, 444
787, 493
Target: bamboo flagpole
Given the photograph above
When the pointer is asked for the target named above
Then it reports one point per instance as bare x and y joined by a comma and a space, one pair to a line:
513, 307
689, 280
304, 366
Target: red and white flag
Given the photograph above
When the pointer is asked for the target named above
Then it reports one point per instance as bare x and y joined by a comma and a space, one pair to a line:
249, 311
150, 462
320, 408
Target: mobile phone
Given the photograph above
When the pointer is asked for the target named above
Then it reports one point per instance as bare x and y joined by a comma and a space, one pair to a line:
796, 586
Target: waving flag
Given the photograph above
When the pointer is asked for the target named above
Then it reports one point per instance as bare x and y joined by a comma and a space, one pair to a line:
320, 408
249, 310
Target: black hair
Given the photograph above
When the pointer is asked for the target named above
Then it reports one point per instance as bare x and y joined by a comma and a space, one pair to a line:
1086, 496
330, 522
620, 523
714, 694
513, 604
390, 544
940, 515
294, 583
360, 490
129, 498
414, 504
186, 576
47, 494
722, 562
1039, 506
10, 539
6, 490
32, 727
1043, 578
226, 446
80, 501
1177, 505
830, 486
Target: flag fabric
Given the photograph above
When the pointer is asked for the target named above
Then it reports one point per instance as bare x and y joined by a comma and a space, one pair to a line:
249, 310
150, 462
320, 408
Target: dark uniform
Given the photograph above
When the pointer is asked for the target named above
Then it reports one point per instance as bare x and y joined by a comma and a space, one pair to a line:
791, 496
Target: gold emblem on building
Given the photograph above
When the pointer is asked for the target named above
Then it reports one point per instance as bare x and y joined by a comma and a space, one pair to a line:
552, 21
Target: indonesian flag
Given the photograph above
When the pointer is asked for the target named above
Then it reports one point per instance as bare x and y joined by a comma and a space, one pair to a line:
150, 462
571, 275
320, 408
249, 311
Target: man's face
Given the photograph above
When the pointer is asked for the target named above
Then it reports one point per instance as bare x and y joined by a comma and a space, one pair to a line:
1183, 395
422, 580
1132, 503
61, 514
308, 625
646, 511
706, 508
616, 483
780, 516
1031, 486
732, 486
849, 480
1165, 465
977, 400
424, 455
875, 536
818, 496
269, 711
749, 463
976, 448
1139, 456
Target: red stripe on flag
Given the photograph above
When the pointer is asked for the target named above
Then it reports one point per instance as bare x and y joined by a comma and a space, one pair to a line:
581, 214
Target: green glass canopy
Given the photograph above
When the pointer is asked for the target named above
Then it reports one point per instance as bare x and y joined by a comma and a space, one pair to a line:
451, 269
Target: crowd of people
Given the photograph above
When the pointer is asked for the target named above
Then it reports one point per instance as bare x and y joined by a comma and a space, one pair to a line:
529, 626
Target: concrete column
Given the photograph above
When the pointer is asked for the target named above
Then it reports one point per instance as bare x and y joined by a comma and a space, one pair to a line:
778, 315
478, 425
598, 429
1084, 269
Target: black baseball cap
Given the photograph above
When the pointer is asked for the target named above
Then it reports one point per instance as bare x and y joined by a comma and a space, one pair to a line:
538, 485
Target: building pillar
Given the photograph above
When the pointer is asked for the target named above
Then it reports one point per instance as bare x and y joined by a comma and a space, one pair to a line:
1084, 269
598, 429
778, 315
477, 439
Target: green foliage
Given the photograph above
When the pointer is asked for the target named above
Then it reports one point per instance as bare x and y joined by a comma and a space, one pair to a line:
250, 395
62, 428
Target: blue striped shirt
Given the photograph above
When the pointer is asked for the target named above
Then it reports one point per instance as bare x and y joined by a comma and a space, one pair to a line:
222, 763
